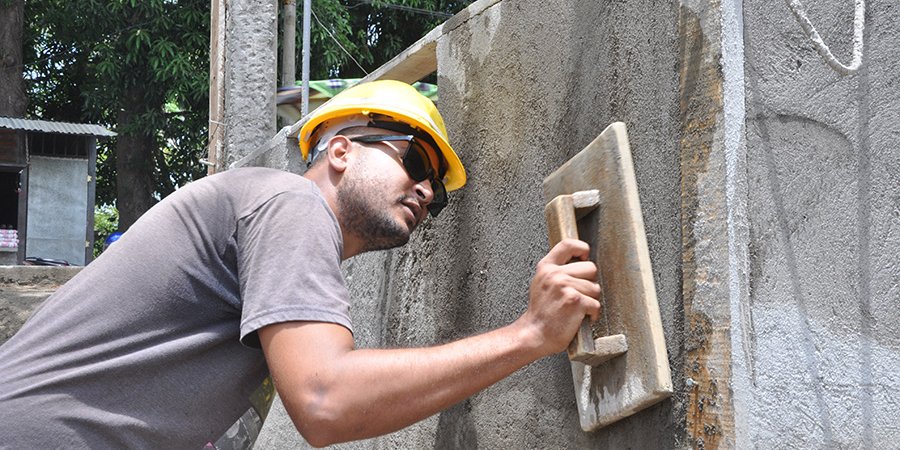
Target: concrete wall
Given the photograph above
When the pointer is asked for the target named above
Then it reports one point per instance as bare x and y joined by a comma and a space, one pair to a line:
57, 208
249, 85
524, 86
822, 361
769, 185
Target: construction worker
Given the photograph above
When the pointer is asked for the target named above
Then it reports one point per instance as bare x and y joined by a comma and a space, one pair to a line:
174, 336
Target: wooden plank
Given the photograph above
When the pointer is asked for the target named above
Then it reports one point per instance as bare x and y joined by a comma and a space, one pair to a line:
420, 59
216, 134
641, 377
416, 62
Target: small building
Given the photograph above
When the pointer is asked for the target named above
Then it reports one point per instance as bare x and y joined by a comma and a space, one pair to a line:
47, 189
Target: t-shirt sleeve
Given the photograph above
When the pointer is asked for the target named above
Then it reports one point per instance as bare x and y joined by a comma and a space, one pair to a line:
289, 255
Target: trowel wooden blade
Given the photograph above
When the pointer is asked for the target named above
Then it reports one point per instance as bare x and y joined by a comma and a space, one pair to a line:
639, 378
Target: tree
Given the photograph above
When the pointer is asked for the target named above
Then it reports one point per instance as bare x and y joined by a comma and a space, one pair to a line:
12, 85
372, 31
139, 66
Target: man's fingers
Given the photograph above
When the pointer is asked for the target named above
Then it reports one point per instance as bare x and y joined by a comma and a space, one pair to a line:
586, 304
592, 308
588, 294
585, 270
567, 250
586, 287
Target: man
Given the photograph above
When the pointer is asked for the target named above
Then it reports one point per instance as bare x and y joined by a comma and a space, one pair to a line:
168, 339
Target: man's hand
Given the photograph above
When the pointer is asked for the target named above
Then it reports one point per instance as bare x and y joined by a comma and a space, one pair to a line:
562, 292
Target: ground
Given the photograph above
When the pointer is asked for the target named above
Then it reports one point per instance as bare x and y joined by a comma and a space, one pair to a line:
22, 289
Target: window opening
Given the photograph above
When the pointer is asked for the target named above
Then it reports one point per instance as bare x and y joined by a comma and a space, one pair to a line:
59, 145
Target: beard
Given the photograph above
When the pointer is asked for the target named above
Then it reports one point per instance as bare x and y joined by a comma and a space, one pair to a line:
363, 215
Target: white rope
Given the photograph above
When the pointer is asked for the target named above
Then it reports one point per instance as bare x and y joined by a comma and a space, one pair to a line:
859, 19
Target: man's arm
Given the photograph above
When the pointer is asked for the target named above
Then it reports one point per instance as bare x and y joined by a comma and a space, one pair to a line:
336, 393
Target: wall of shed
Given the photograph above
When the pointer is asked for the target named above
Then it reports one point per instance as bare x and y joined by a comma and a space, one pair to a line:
57, 208
770, 192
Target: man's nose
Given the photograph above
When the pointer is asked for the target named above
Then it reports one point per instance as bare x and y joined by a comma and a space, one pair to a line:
424, 192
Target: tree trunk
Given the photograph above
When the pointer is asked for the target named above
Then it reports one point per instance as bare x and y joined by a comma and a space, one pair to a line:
134, 162
12, 83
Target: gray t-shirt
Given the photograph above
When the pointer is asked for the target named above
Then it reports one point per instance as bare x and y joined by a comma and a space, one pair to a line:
154, 345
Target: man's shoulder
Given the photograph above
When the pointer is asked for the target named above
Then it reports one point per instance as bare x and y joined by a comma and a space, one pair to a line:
255, 183
241, 191
259, 175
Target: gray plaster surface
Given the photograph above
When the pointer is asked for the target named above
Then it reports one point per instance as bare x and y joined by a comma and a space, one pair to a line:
822, 162
57, 208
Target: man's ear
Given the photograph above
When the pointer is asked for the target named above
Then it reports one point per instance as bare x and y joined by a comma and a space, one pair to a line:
338, 154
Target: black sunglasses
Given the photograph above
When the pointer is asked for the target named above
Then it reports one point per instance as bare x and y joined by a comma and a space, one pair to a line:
417, 165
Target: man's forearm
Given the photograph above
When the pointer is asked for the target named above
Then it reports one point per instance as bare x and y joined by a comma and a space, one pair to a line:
335, 393
416, 383
365, 393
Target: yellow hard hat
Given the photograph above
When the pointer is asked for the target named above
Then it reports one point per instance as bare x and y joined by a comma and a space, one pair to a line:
395, 99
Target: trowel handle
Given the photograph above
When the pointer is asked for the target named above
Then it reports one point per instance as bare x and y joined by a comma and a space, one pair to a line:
562, 224
562, 215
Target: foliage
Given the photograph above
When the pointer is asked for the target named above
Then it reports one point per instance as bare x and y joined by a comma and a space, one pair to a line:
372, 31
87, 57
106, 222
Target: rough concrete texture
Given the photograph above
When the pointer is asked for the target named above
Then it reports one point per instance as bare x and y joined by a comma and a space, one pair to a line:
250, 38
823, 351
524, 86
280, 152
22, 289
771, 202
57, 208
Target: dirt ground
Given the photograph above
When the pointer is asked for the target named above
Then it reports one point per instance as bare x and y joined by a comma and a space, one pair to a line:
22, 290
17, 304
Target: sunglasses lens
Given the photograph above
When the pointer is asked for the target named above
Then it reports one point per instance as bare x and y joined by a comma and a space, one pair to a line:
439, 199
419, 168
416, 163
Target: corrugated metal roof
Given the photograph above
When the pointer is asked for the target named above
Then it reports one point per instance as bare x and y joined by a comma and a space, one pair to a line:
54, 127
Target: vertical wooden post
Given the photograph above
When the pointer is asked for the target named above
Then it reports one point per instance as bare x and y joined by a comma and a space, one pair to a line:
91, 197
288, 42
216, 87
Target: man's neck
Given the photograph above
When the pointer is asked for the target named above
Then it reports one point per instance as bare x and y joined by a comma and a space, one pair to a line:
327, 184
